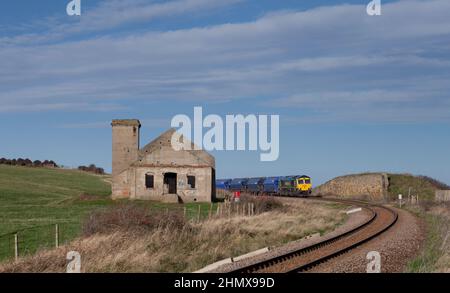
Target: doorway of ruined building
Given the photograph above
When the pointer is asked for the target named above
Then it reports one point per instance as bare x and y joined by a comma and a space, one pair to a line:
170, 180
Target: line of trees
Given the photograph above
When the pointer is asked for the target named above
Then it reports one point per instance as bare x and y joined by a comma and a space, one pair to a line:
47, 164
92, 169
28, 163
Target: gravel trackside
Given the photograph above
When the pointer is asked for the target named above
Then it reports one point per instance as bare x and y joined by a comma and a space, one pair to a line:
353, 221
396, 246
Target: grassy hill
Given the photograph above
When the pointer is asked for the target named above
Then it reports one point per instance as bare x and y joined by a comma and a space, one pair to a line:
34, 199
423, 186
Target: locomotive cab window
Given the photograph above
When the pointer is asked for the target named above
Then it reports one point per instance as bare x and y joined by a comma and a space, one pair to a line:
308, 181
191, 181
149, 181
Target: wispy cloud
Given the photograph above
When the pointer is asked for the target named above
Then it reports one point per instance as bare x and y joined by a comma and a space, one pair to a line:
68, 107
332, 59
107, 16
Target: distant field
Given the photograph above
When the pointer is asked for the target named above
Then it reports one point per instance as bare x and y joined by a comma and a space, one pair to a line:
35, 199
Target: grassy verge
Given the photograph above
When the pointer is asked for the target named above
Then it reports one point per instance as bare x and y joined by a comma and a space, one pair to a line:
423, 186
435, 255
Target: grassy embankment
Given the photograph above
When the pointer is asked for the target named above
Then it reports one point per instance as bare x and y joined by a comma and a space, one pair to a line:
435, 255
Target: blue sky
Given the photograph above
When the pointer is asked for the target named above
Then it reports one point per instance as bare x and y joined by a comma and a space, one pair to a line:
354, 93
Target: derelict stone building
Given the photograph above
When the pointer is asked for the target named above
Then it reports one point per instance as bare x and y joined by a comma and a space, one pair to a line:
157, 171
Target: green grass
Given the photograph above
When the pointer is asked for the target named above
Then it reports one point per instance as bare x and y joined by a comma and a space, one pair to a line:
400, 184
33, 200
425, 262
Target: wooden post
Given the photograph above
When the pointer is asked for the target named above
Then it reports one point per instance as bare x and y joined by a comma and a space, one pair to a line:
16, 246
229, 210
56, 235
217, 209
210, 210
198, 213
184, 212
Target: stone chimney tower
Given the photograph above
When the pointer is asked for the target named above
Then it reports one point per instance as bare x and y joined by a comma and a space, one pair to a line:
125, 144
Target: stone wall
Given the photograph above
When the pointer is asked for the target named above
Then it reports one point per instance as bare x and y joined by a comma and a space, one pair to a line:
201, 193
373, 186
442, 195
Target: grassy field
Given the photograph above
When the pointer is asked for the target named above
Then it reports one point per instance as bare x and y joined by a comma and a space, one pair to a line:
33, 200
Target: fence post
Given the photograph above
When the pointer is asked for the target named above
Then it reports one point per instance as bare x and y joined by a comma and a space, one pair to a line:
16, 246
56, 235
184, 212
210, 210
198, 213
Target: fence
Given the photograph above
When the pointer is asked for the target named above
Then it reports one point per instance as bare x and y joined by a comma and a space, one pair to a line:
29, 240
442, 195
219, 210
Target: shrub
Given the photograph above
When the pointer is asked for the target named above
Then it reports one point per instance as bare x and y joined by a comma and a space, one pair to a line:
262, 203
131, 217
436, 183
92, 168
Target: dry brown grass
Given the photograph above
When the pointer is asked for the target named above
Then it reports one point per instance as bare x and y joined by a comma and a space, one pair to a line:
435, 255
442, 212
161, 248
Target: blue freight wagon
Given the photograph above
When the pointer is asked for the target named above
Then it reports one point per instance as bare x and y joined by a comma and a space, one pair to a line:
271, 185
238, 184
223, 184
255, 185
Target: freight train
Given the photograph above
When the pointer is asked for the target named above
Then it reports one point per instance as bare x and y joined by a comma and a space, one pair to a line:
281, 185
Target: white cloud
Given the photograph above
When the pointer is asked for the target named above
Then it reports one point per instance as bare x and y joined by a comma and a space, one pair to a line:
107, 16
319, 58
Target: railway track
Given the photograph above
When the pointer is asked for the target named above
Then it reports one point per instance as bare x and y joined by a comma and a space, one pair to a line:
301, 260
